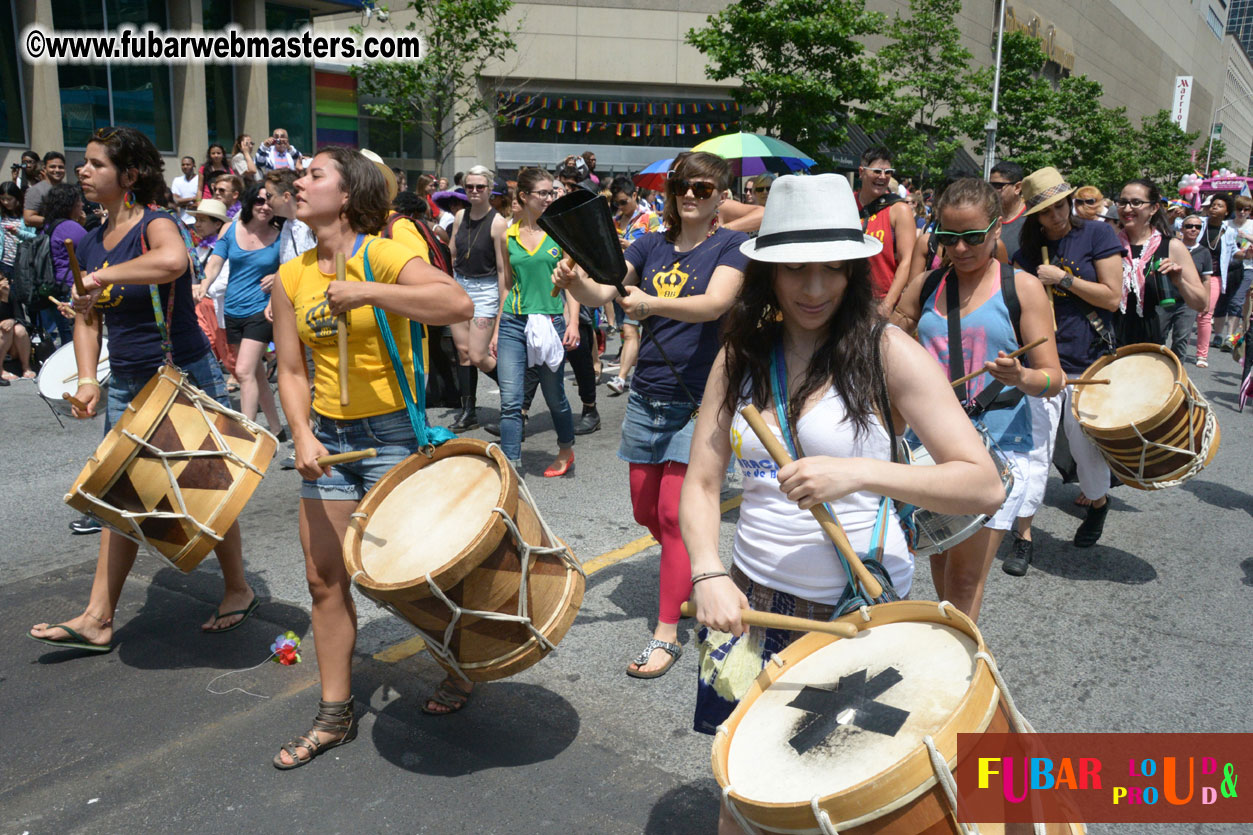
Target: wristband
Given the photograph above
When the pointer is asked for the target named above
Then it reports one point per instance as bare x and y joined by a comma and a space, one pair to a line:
1048, 382
708, 574
89, 381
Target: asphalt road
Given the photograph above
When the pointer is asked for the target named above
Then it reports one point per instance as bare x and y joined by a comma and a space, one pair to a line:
1146, 632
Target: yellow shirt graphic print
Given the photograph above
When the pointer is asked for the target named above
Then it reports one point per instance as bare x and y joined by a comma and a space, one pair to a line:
106, 299
669, 284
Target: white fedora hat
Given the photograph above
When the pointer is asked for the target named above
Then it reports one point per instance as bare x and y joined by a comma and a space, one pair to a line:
390, 176
811, 219
215, 209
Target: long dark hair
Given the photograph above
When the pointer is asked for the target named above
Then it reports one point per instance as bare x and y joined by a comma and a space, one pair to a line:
1032, 236
848, 355
208, 159
12, 190
1158, 219
59, 203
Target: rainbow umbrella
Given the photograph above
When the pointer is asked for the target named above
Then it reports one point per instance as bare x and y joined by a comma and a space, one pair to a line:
752, 153
653, 176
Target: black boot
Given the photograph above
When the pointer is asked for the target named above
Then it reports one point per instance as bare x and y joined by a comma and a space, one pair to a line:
1090, 530
588, 422
469, 417
1016, 564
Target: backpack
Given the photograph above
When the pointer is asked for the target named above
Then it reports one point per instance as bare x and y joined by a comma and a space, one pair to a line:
439, 253
34, 276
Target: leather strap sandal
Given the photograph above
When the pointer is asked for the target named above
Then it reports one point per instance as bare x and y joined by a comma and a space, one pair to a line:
333, 717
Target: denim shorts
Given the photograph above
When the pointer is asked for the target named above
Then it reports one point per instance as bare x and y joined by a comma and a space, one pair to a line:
204, 374
484, 291
391, 434
656, 431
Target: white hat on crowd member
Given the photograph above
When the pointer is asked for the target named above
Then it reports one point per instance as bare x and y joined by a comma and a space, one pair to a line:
215, 209
811, 219
388, 174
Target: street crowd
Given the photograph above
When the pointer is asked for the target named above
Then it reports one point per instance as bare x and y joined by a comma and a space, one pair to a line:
842, 307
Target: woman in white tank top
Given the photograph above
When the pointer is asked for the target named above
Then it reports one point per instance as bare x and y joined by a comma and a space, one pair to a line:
807, 300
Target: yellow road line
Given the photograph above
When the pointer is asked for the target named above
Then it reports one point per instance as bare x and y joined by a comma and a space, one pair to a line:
412, 646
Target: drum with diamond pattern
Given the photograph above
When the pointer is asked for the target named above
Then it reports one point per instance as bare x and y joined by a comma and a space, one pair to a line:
175, 471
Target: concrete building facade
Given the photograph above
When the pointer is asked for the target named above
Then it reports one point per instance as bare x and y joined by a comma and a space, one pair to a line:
600, 64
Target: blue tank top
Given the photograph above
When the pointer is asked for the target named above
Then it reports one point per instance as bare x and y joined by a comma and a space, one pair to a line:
985, 330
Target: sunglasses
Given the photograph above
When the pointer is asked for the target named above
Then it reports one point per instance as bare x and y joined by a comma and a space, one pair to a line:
105, 134
702, 191
761, 189
1133, 202
999, 186
1086, 201
259, 200
972, 238
880, 172
475, 187
1193, 226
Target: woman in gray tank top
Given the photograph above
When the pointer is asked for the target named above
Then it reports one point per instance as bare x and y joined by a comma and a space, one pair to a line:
478, 257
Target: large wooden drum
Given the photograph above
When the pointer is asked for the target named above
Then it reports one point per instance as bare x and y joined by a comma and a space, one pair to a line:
1150, 423
831, 737
453, 544
174, 471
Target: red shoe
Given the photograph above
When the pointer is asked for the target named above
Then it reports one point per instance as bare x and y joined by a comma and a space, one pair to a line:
556, 472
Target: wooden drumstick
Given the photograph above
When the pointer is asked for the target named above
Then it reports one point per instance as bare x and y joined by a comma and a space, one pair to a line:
1024, 349
82, 407
769, 620
341, 332
345, 457
569, 262
830, 525
77, 272
1087, 382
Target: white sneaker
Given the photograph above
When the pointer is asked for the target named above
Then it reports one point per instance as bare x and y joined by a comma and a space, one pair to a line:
617, 385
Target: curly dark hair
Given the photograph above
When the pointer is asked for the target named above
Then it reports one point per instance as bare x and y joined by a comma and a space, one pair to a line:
410, 204
129, 150
368, 206
59, 203
847, 357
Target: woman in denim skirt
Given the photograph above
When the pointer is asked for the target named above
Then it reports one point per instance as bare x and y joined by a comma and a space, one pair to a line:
679, 284
345, 199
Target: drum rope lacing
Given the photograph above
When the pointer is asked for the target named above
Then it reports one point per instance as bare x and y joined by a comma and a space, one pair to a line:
442, 649
1195, 400
136, 518
943, 774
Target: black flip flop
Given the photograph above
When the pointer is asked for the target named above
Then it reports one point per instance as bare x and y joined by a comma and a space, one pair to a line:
673, 649
217, 616
78, 642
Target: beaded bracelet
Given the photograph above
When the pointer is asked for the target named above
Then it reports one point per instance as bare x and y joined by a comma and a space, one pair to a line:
706, 575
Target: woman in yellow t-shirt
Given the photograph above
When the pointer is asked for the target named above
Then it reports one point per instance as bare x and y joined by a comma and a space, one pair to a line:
343, 198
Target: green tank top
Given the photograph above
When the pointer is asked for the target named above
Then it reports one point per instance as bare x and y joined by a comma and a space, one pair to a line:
532, 276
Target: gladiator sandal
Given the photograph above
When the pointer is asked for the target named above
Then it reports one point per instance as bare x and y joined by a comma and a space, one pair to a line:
333, 717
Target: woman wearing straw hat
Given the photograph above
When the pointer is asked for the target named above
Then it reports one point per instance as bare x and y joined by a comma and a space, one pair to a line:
1083, 272
973, 302
804, 344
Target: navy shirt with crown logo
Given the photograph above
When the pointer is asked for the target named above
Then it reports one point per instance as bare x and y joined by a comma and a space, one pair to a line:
134, 340
668, 274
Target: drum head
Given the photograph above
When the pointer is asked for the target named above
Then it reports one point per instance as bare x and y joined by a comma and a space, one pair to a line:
429, 518
1140, 384
850, 710
59, 373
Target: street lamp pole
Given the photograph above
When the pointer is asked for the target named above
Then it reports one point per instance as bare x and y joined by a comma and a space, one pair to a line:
989, 152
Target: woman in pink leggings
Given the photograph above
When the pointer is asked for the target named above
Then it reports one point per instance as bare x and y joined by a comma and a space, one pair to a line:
679, 284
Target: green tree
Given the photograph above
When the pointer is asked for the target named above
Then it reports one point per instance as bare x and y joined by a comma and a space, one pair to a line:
800, 63
1023, 109
1165, 151
1093, 144
928, 72
444, 94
